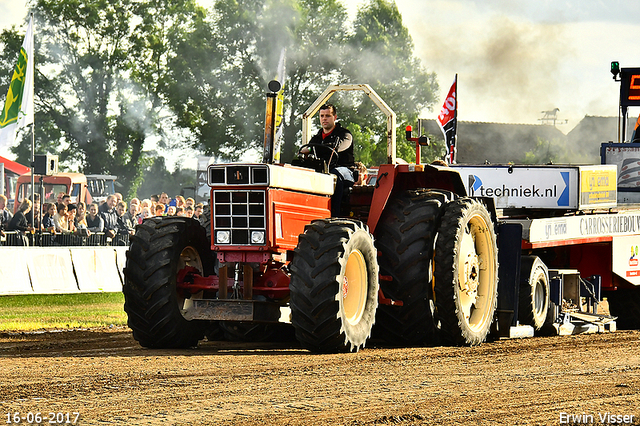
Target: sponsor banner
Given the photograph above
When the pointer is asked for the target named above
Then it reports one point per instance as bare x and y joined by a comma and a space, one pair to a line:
598, 186
96, 269
584, 226
626, 255
14, 276
522, 186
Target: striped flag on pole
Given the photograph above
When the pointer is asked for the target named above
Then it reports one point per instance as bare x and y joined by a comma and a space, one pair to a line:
448, 121
18, 106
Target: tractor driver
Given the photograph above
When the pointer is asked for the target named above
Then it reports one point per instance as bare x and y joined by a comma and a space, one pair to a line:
339, 157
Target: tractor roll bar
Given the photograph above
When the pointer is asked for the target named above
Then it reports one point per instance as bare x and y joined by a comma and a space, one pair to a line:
329, 91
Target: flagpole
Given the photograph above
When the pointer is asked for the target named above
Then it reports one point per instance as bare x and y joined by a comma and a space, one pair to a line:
455, 129
33, 166
33, 139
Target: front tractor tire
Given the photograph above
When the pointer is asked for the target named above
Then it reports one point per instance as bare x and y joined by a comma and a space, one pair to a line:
160, 248
466, 273
334, 286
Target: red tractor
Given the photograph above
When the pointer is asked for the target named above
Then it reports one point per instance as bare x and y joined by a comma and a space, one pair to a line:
269, 253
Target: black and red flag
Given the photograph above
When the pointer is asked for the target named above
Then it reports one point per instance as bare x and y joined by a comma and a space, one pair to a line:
448, 121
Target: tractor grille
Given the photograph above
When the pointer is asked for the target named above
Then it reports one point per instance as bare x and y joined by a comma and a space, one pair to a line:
239, 217
238, 174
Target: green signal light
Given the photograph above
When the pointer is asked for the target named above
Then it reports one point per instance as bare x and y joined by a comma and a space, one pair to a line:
615, 68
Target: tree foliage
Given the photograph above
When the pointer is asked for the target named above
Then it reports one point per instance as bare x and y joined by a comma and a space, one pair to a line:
381, 54
82, 98
178, 182
95, 108
114, 75
224, 106
10, 43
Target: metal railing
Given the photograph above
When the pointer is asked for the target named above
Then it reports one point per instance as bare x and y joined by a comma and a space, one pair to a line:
47, 239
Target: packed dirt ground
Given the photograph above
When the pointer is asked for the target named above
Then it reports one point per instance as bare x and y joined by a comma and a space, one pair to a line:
106, 377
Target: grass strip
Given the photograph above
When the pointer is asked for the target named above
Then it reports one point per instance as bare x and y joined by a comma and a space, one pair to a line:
61, 311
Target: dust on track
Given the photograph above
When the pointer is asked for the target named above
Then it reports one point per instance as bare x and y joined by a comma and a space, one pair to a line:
109, 379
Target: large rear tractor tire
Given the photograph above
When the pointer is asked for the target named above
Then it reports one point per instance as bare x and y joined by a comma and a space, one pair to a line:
160, 248
334, 286
534, 292
466, 273
405, 238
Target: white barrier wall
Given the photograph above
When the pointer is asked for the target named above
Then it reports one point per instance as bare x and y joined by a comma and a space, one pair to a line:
48, 270
51, 270
121, 261
96, 270
14, 275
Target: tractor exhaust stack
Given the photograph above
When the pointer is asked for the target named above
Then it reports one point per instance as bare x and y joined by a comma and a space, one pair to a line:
270, 122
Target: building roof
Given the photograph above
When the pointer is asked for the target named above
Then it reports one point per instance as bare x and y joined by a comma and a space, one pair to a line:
501, 143
595, 129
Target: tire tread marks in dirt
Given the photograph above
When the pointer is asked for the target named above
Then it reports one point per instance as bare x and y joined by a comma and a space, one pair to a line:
454, 329
316, 274
405, 239
237, 331
151, 300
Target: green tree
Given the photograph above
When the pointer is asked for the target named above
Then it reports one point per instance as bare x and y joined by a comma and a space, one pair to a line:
221, 69
119, 72
218, 77
314, 61
381, 54
213, 83
555, 151
10, 43
95, 59
378, 51
180, 181
82, 52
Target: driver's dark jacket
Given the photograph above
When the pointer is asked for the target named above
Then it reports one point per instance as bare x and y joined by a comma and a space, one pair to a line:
334, 140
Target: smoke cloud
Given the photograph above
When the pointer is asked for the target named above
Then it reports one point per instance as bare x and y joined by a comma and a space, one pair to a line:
516, 59
508, 72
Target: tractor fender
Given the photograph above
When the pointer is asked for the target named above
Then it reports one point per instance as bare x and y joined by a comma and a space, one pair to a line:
397, 178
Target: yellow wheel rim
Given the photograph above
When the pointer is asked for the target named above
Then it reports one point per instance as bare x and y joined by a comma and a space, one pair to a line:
476, 273
189, 256
354, 287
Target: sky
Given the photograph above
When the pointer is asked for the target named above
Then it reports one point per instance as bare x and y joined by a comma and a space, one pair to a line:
514, 58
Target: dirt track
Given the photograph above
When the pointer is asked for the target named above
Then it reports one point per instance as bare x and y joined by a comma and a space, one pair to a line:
109, 379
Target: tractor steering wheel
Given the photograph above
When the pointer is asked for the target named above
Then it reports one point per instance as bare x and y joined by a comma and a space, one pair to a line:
311, 159
313, 153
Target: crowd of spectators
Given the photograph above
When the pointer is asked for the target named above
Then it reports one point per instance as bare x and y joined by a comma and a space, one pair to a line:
114, 217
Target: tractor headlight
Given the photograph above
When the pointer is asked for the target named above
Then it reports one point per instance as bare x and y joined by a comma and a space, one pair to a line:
257, 237
223, 237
